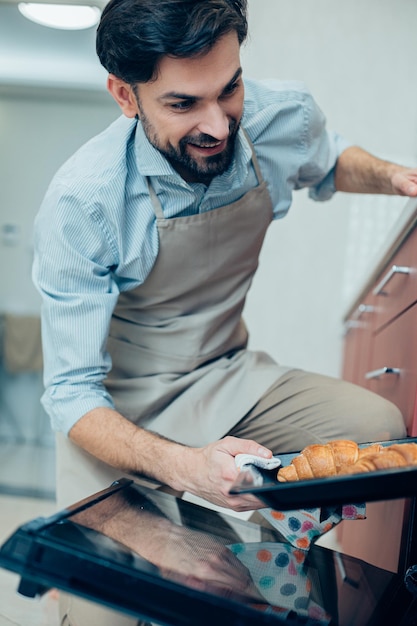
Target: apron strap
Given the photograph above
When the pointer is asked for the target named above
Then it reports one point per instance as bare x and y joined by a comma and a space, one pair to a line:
157, 207
255, 162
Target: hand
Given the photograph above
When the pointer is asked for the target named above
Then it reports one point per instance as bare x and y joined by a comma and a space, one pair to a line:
210, 472
404, 182
207, 472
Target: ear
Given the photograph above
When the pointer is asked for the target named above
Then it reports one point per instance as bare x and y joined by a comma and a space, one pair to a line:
123, 94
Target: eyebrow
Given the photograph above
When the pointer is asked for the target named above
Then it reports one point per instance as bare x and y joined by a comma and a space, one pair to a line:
183, 96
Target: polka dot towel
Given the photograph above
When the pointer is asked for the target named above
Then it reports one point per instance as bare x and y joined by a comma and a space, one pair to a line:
302, 528
279, 572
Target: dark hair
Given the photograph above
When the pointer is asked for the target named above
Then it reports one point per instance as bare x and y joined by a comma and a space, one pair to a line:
133, 35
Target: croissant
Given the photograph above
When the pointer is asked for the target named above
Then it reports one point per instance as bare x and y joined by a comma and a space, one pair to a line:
397, 455
341, 456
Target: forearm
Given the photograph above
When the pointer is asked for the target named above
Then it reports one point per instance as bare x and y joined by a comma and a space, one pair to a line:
357, 171
208, 472
107, 435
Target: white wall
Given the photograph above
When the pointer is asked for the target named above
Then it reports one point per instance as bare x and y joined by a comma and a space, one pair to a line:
358, 59
39, 130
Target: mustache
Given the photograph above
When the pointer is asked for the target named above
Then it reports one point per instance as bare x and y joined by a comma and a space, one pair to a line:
203, 139
200, 140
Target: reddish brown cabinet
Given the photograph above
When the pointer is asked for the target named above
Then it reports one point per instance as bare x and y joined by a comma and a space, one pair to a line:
381, 355
394, 364
358, 341
381, 331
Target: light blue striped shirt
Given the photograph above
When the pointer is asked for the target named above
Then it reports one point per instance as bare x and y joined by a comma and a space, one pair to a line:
95, 234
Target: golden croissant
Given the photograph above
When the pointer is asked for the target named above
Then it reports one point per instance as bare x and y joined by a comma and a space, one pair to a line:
397, 455
343, 456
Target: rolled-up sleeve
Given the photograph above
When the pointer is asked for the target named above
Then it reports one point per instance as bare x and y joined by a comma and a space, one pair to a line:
322, 148
295, 149
74, 254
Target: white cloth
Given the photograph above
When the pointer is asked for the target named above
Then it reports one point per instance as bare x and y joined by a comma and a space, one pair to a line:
250, 463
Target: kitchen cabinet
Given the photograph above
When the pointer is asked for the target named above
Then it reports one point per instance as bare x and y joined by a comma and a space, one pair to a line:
381, 355
396, 288
358, 342
393, 372
381, 330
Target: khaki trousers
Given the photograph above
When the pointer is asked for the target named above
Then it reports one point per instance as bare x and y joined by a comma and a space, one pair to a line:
303, 408
299, 409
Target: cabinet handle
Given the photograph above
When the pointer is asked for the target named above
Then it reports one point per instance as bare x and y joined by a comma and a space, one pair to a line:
383, 370
395, 269
353, 321
362, 308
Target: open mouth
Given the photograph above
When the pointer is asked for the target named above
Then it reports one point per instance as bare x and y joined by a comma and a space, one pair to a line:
208, 148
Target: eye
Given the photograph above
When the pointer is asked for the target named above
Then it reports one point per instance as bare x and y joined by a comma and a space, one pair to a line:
182, 105
230, 89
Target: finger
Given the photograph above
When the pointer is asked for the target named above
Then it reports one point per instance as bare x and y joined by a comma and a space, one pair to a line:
408, 188
412, 189
235, 445
405, 184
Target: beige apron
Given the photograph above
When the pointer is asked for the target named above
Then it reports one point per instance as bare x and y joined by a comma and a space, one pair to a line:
180, 366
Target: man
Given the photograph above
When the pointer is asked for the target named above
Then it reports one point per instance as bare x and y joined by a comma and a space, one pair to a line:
146, 245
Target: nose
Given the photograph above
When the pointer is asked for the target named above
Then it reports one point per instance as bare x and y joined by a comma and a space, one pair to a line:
214, 122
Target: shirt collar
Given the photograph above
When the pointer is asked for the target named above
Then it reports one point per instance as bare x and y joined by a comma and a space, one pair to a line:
149, 160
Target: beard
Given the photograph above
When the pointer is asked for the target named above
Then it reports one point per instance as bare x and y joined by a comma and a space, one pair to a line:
191, 169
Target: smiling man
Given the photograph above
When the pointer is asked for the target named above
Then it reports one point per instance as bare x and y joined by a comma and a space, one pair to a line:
191, 112
145, 248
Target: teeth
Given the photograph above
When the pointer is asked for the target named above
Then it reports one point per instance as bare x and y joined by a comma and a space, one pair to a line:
208, 145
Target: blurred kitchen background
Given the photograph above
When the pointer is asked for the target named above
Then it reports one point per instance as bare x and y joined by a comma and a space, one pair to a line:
358, 58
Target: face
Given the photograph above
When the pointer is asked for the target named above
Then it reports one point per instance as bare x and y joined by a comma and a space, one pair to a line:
191, 112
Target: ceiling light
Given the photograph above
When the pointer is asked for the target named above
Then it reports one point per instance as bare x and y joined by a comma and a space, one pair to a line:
65, 16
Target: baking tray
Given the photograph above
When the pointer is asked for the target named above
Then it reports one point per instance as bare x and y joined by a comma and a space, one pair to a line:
386, 484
